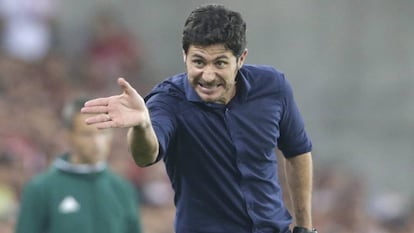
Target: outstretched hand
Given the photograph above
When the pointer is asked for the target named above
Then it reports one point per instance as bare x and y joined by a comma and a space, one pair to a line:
119, 111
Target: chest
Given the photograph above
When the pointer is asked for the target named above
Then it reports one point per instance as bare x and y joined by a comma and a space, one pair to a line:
251, 125
84, 205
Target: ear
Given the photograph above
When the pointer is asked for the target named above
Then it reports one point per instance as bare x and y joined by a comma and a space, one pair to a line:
184, 57
242, 58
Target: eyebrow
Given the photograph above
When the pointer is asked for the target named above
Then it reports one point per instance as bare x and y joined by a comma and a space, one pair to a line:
217, 58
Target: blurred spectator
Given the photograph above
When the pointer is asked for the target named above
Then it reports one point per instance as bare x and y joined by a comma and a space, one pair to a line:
409, 220
78, 189
33, 108
8, 197
112, 51
340, 201
157, 196
392, 210
27, 28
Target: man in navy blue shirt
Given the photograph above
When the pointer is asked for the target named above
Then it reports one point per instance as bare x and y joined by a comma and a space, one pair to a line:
217, 127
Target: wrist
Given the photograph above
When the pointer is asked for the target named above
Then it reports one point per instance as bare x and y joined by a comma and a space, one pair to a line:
303, 230
141, 127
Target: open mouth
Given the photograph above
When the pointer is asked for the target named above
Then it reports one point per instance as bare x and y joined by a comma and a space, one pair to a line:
209, 89
209, 86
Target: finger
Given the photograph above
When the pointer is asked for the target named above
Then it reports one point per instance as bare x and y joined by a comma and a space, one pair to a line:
104, 125
126, 87
94, 109
96, 119
98, 102
102, 121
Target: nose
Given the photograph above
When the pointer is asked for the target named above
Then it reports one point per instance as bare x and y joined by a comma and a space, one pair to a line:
209, 74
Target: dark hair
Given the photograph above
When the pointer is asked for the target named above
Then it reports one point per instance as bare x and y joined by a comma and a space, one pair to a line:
71, 109
215, 24
7, 158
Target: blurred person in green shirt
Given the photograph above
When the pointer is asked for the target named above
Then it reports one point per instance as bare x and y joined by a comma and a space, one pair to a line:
79, 192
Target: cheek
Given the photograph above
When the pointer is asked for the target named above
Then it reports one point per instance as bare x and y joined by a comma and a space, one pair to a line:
230, 77
192, 71
193, 76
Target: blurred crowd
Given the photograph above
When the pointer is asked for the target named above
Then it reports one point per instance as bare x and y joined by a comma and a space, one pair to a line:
36, 78
342, 203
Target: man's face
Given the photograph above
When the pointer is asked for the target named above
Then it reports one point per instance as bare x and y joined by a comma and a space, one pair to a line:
212, 72
89, 145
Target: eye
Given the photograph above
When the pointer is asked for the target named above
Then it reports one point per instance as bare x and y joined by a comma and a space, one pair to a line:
197, 62
221, 64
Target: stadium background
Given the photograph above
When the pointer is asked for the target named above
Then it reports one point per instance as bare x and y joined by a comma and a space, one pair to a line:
351, 64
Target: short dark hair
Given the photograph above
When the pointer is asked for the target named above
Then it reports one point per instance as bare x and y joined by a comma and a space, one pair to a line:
71, 109
215, 24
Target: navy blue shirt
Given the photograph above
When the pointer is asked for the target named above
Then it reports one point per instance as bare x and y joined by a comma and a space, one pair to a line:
221, 158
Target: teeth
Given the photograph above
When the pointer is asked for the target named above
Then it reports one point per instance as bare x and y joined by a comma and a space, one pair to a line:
210, 86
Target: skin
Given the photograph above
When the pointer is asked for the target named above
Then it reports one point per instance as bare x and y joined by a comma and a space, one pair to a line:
211, 72
296, 180
126, 110
89, 145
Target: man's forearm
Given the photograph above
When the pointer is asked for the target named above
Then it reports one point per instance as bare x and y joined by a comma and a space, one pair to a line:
281, 169
300, 175
143, 144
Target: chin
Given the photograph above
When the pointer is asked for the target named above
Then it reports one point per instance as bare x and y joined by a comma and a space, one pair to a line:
215, 100
209, 99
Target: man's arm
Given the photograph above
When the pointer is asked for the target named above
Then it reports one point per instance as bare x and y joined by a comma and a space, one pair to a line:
281, 169
127, 110
143, 144
299, 174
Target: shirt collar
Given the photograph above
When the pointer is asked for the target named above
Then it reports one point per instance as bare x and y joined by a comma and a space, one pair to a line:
62, 163
243, 88
190, 93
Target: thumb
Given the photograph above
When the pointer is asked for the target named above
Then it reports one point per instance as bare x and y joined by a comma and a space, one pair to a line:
125, 86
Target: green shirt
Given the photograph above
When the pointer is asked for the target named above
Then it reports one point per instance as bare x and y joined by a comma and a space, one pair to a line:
71, 198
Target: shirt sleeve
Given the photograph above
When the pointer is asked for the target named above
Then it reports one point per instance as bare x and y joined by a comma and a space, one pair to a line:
162, 112
32, 217
293, 138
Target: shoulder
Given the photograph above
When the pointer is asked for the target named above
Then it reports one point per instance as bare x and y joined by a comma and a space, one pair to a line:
120, 182
264, 77
124, 188
173, 86
40, 183
262, 70
42, 178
